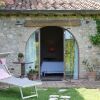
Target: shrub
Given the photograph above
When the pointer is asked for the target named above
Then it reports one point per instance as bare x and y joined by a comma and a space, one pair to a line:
95, 39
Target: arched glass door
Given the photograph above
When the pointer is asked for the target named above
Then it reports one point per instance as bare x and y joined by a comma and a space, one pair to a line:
32, 54
70, 56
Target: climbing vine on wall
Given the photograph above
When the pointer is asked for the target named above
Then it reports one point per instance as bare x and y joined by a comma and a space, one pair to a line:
95, 39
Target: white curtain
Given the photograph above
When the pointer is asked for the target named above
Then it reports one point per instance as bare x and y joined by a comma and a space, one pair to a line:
76, 62
30, 53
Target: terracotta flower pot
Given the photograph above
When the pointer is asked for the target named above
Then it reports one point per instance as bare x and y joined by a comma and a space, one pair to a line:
32, 76
91, 76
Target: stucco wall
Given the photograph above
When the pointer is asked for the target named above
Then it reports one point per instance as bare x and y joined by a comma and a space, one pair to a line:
13, 38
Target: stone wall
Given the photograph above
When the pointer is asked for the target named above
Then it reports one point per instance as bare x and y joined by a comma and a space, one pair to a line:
13, 38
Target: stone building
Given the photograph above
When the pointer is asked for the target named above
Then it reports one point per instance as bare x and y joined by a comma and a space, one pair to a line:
53, 35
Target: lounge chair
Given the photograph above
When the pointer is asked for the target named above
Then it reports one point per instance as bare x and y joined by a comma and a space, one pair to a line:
6, 77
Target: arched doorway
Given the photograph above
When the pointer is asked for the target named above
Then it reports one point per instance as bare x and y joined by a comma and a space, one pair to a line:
51, 53
54, 52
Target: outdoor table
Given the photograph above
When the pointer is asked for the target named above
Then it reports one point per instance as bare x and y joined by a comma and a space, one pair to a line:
22, 67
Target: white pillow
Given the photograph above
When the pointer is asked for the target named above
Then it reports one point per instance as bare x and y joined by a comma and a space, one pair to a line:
4, 74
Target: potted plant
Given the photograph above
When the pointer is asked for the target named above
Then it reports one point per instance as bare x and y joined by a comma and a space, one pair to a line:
32, 74
91, 72
20, 57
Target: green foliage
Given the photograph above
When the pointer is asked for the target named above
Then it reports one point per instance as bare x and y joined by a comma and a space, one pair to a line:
98, 29
98, 25
20, 55
95, 39
44, 93
32, 71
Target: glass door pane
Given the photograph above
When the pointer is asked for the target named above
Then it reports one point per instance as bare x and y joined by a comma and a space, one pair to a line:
32, 56
68, 54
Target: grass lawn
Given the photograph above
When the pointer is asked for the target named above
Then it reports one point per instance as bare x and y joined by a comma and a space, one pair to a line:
75, 93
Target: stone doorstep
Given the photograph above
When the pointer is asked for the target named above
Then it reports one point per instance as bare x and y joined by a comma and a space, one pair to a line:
57, 97
65, 97
54, 96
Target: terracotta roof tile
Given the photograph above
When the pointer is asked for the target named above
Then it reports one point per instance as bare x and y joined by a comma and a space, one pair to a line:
50, 4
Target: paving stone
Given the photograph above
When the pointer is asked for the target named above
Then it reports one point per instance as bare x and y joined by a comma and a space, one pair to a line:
68, 84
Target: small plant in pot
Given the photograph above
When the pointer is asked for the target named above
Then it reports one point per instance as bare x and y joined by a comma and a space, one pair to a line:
91, 72
32, 74
20, 57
